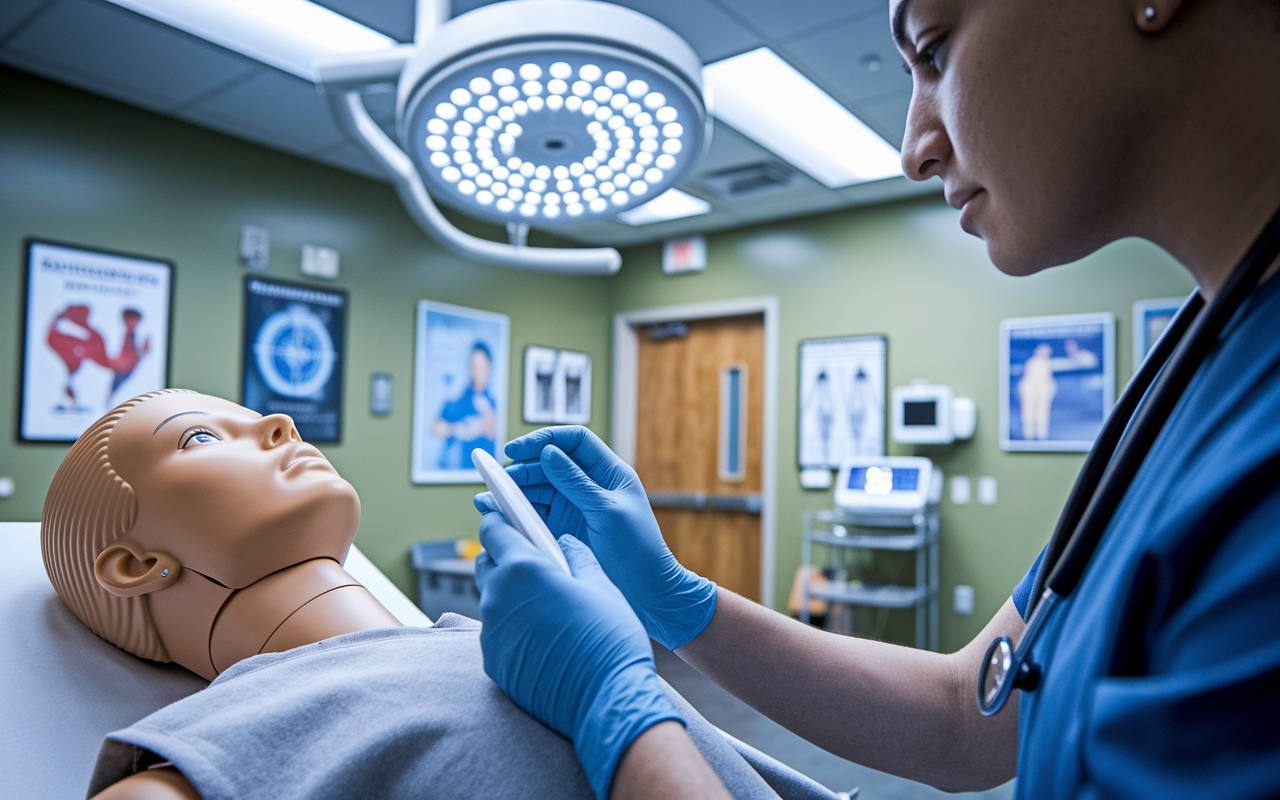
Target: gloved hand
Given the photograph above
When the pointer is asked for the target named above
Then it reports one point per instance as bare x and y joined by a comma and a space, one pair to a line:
569, 650
582, 489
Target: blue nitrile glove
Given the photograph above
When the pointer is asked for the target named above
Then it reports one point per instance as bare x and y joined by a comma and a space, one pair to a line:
567, 649
581, 488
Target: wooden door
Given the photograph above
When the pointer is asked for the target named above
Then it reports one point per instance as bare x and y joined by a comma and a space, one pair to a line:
704, 482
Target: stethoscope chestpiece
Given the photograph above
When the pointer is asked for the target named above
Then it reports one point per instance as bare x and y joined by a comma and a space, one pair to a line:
1004, 669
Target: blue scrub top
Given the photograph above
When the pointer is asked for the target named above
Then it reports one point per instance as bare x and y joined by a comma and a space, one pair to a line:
1162, 668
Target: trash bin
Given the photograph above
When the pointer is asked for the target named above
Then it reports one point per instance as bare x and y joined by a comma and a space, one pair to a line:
445, 582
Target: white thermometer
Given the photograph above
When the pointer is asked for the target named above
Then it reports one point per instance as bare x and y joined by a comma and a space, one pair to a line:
517, 508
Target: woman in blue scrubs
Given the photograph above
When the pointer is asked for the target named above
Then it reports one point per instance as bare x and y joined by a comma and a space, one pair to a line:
1057, 129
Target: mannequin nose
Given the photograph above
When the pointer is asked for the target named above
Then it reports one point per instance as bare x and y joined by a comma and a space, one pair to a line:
278, 429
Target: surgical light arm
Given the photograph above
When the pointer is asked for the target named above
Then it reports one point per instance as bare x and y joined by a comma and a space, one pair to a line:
342, 81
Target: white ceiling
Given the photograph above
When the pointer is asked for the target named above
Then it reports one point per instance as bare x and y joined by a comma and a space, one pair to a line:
838, 44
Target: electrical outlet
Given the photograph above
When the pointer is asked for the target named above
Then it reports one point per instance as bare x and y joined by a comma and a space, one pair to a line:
987, 490
961, 490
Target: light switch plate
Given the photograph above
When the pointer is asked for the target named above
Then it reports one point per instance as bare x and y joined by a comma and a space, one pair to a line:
961, 490
987, 490
319, 262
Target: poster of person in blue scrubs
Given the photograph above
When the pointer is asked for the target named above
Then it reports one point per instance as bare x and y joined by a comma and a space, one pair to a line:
1057, 381
460, 391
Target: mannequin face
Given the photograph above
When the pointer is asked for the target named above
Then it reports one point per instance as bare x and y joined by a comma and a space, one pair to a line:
230, 494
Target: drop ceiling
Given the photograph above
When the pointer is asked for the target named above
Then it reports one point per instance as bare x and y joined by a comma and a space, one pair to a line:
841, 45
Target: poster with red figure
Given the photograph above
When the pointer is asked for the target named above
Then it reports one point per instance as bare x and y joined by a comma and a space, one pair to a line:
96, 332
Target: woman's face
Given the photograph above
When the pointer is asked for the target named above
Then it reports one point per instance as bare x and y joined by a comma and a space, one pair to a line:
1026, 111
231, 494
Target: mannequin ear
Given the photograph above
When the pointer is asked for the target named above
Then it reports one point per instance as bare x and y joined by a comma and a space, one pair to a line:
1153, 16
126, 569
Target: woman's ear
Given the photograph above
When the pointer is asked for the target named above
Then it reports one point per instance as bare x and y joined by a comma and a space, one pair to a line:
1153, 16
127, 569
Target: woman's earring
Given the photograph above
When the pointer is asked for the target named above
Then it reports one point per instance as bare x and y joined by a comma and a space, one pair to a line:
1150, 13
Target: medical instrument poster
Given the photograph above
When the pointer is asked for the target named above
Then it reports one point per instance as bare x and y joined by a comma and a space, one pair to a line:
459, 391
842, 399
1057, 381
1150, 318
96, 333
557, 386
293, 343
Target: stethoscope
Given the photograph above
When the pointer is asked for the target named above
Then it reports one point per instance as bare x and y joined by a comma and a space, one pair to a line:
1127, 436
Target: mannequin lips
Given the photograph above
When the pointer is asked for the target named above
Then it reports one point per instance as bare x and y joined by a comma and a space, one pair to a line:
304, 456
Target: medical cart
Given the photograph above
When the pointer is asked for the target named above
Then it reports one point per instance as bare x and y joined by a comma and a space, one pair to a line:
884, 521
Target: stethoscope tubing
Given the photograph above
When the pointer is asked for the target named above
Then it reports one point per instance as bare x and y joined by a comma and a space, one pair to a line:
1190, 337
1123, 444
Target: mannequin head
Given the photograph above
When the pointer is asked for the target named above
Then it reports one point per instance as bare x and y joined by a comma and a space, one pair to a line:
173, 482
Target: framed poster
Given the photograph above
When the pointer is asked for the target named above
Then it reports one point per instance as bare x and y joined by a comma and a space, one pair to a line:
1150, 318
1057, 380
96, 330
293, 345
842, 399
557, 386
459, 391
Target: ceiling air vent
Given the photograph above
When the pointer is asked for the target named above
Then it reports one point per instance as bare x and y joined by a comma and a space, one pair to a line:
749, 179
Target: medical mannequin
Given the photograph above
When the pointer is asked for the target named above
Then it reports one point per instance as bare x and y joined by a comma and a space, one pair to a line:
183, 527
1057, 128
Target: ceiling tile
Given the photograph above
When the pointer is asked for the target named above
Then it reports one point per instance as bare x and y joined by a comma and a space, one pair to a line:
14, 12
707, 28
779, 20
730, 149
856, 61
350, 157
888, 116
395, 18
107, 46
272, 104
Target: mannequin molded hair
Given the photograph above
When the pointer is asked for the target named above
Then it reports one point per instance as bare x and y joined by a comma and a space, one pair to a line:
88, 508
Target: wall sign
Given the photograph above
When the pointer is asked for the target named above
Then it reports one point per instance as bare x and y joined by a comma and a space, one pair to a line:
557, 386
96, 332
293, 345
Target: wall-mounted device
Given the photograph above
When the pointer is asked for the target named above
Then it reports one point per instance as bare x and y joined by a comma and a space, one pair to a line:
876, 484
928, 414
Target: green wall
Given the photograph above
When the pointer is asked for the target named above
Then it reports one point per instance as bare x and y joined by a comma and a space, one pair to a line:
907, 270
81, 169
78, 168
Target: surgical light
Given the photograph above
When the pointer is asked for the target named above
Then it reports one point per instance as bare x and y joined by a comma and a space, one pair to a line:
532, 112
770, 101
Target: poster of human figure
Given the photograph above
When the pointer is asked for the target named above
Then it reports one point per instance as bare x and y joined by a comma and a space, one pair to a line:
1057, 379
459, 391
557, 386
96, 333
842, 399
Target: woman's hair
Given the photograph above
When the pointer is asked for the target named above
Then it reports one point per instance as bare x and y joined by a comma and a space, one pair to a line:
88, 508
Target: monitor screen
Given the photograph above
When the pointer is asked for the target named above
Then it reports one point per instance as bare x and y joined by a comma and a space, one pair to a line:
903, 479
920, 412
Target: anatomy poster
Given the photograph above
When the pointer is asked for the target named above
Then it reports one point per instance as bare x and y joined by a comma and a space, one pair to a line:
842, 399
96, 333
1057, 381
557, 386
459, 391
293, 338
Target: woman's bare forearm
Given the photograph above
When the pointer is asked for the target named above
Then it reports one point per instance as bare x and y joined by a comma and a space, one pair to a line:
897, 709
664, 764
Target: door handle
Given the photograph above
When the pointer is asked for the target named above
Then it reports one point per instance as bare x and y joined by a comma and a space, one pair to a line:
750, 503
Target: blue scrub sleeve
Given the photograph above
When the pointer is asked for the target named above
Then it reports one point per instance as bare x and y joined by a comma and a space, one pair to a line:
1022, 592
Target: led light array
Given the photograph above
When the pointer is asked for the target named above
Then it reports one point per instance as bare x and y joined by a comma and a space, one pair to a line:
472, 138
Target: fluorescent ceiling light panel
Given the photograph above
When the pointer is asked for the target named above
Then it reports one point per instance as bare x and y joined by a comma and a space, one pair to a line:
671, 204
287, 34
769, 100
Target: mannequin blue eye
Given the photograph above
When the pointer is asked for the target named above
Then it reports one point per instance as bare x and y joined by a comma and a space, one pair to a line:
200, 437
